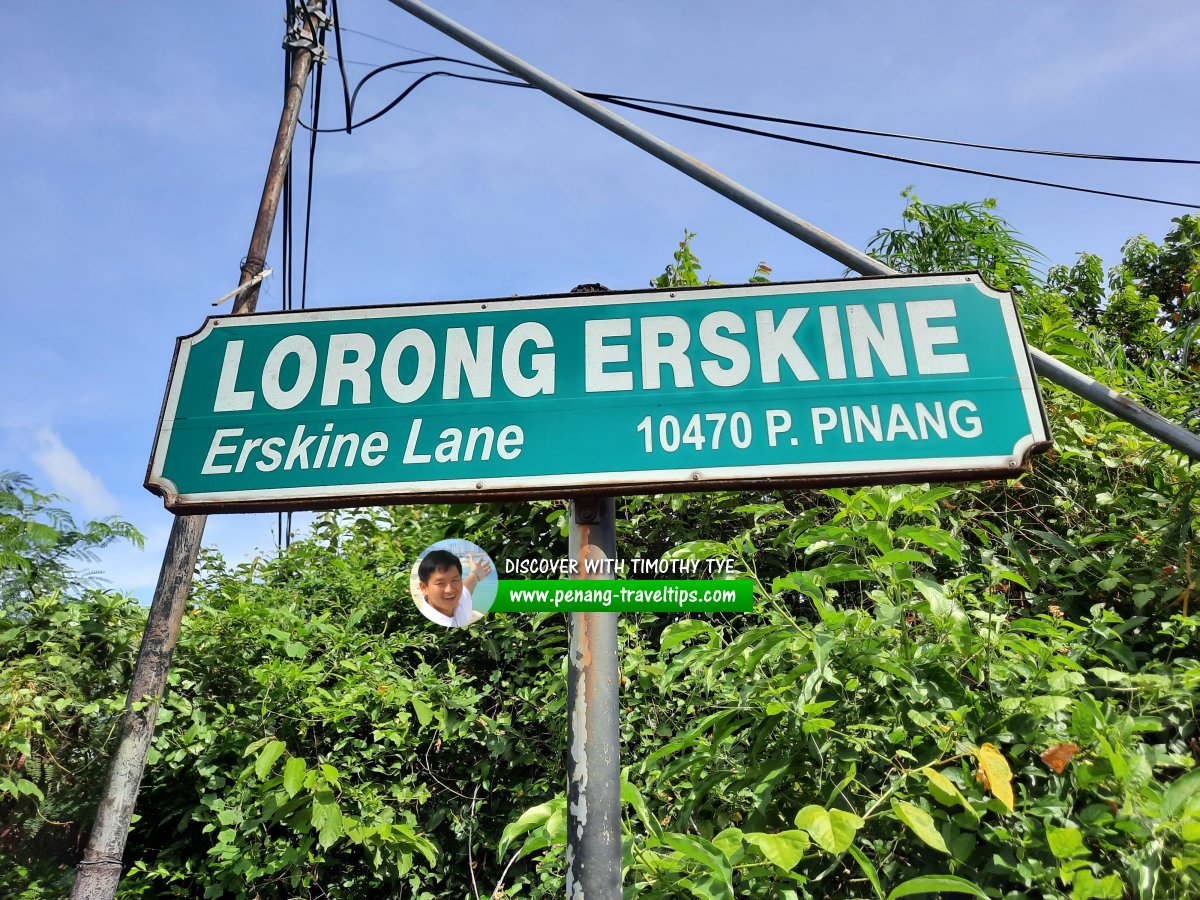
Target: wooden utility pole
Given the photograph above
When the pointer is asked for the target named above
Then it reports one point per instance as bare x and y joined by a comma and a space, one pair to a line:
99, 871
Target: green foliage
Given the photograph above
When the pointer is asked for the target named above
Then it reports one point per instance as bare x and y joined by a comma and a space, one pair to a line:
40, 542
1151, 311
321, 737
922, 645
982, 690
685, 270
956, 237
65, 659
1169, 276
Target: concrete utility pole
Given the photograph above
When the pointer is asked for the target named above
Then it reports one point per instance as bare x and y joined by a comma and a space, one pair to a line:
100, 869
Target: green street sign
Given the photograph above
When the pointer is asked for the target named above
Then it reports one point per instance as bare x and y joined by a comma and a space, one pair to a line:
906, 378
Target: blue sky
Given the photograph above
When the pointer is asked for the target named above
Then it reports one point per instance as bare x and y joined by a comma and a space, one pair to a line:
137, 135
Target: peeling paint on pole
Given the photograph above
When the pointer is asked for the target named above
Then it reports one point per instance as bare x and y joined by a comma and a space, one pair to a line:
593, 727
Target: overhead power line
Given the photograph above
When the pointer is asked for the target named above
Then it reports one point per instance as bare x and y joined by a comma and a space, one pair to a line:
946, 167
642, 107
782, 120
617, 98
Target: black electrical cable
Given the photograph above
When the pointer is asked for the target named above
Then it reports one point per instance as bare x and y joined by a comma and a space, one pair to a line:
337, 39
286, 241
286, 237
800, 123
742, 130
617, 98
312, 155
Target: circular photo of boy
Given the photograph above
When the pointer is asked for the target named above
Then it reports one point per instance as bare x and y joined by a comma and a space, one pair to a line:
453, 583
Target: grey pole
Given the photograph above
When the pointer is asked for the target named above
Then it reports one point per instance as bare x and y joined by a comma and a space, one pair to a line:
593, 726
1047, 366
99, 871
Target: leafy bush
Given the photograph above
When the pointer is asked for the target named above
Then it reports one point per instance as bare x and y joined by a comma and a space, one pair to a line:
987, 689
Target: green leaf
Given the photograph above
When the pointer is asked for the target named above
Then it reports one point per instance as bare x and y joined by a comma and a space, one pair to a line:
784, 849
729, 841
631, 795
421, 708
261, 742
1065, 843
934, 538
946, 791
529, 820
868, 869
1178, 793
892, 557
24, 786
678, 632
832, 829
699, 550
1007, 575
1088, 887
331, 827
932, 884
293, 775
267, 757
702, 852
841, 785
921, 824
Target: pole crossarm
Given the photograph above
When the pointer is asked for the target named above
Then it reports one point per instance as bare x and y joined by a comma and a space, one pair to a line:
1050, 368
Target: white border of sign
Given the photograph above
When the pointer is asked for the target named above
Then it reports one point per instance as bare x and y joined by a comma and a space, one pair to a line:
656, 480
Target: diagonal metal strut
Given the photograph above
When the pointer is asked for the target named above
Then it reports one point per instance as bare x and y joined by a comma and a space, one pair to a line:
1120, 405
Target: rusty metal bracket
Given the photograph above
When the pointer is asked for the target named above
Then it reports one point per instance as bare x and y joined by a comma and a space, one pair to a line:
587, 510
305, 21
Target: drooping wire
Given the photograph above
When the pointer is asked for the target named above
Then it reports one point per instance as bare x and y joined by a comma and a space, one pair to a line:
337, 40
315, 106
946, 167
286, 248
799, 123
726, 126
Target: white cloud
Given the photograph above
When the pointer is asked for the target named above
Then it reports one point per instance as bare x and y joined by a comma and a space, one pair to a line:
69, 476
124, 567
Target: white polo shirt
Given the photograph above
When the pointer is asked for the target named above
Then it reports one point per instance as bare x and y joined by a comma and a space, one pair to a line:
463, 614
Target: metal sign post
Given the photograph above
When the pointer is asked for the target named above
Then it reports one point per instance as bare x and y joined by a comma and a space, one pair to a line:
593, 724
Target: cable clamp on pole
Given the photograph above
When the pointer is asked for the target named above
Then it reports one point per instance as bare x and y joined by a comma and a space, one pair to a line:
306, 20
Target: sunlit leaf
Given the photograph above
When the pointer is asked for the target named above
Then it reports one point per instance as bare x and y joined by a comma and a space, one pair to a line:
784, 849
997, 774
921, 824
933, 884
267, 757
